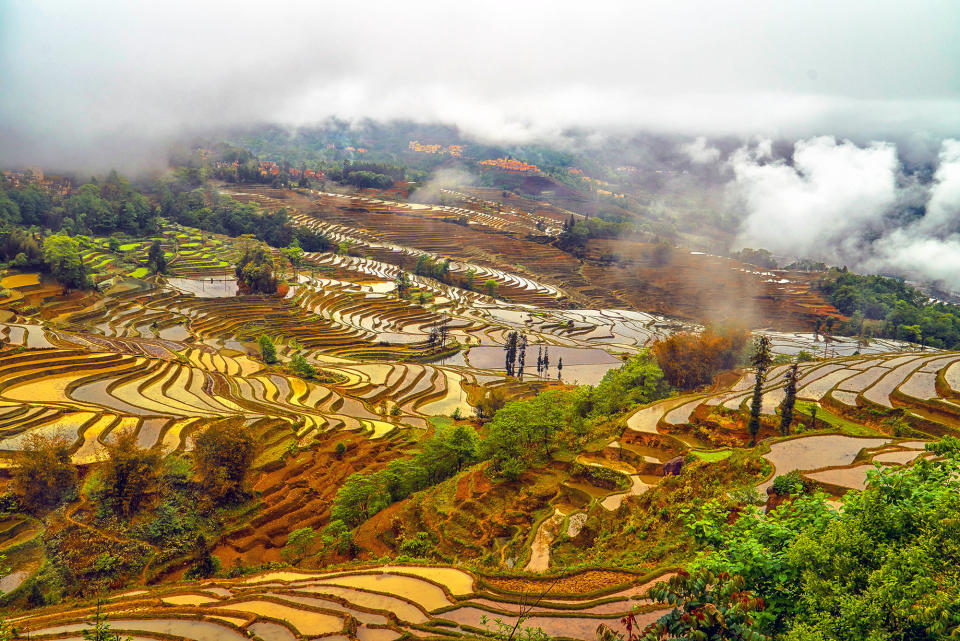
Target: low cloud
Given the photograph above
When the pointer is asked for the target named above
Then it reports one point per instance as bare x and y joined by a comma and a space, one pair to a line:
854, 205
102, 81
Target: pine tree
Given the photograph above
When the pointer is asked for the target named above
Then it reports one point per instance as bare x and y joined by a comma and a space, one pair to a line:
540, 360
761, 363
546, 360
522, 355
786, 412
510, 349
560, 368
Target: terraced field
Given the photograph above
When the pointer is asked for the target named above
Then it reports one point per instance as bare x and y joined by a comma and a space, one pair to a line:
379, 603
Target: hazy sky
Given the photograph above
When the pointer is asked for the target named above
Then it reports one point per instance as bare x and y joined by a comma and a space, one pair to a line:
100, 79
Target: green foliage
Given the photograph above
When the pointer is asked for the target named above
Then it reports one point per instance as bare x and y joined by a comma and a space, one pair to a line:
903, 312
299, 366
708, 607
523, 433
761, 363
298, 543
760, 257
419, 547
156, 259
268, 352
98, 628
491, 286
130, 475
62, 257
790, 483
600, 476
426, 266
255, 270
447, 452
340, 450
337, 536
885, 566
790, 399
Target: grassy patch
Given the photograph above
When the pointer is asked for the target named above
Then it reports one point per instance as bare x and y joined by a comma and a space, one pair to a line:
835, 422
712, 456
129, 247
139, 272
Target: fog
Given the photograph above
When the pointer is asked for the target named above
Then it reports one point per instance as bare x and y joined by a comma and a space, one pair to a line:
844, 116
107, 82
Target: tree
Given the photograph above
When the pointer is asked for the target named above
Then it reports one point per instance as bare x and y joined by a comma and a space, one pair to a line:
522, 433
708, 607
298, 542
44, 473
510, 352
267, 350
63, 259
294, 255
762, 359
790, 399
156, 259
491, 287
560, 368
300, 367
463, 445
224, 455
255, 270
522, 355
98, 628
690, 360
402, 282
130, 475
338, 537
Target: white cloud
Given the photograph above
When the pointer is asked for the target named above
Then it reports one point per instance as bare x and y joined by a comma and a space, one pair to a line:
822, 204
700, 152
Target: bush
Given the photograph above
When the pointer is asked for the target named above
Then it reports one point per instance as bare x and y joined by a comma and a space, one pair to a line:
691, 360
298, 543
224, 454
267, 350
44, 474
129, 476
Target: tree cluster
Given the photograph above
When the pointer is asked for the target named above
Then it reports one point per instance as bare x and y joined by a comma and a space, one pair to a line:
440, 456
690, 360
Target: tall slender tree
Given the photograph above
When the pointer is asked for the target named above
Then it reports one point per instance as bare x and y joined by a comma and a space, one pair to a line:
546, 360
540, 360
786, 412
521, 355
761, 363
510, 353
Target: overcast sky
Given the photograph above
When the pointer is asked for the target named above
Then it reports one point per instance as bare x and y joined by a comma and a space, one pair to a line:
115, 75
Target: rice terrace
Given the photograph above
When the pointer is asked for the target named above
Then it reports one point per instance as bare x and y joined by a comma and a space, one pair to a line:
306, 340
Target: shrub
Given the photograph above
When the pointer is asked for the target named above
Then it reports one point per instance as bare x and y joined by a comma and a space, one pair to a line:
338, 537
130, 475
267, 350
224, 454
298, 542
44, 475
691, 360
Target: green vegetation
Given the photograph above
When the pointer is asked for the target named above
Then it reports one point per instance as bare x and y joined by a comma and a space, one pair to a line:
885, 566
268, 352
524, 433
255, 270
62, 257
440, 456
576, 233
889, 308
